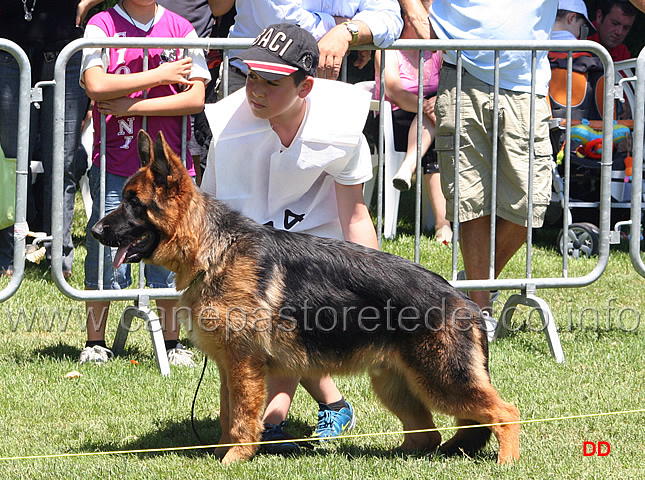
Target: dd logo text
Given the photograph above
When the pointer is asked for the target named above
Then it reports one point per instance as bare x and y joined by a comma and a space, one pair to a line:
600, 449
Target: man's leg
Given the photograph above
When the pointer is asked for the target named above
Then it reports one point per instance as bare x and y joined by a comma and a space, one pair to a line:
474, 238
76, 104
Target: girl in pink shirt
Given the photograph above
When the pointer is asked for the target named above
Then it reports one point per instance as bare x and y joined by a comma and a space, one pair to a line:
401, 89
114, 78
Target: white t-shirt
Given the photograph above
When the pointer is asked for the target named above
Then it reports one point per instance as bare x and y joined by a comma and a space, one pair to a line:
294, 188
562, 35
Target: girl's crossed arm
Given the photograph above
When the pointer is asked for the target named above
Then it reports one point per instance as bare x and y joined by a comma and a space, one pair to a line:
110, 91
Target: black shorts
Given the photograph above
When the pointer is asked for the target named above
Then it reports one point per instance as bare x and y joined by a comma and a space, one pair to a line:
401, 121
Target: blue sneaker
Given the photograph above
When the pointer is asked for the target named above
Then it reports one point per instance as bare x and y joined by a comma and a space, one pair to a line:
276, 432
333, 423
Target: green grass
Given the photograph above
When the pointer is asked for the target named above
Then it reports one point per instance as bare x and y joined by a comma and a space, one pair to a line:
124, 406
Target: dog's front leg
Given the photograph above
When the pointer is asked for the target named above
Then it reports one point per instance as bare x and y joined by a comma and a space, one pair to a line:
246, 401
224, 414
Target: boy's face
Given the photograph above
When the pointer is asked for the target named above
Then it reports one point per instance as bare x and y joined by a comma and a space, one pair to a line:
269, 99
576, 26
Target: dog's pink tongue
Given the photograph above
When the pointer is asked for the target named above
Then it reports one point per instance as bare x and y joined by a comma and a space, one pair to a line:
120, 256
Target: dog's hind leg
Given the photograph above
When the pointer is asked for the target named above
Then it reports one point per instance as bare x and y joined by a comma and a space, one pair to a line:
459, 385
393, 390
483, 405
467, 441
486, 407
246, 399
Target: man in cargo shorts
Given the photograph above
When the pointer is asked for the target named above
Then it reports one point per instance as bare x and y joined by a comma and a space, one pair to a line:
489, 20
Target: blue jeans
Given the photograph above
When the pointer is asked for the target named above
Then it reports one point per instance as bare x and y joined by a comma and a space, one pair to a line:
41, 135
113, 279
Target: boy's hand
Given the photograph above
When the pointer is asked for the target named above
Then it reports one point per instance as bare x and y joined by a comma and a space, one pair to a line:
175, 72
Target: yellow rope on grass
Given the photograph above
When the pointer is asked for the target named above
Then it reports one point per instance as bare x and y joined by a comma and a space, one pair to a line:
313, 439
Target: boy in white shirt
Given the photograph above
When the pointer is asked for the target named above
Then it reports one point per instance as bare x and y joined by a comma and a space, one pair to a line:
290, 152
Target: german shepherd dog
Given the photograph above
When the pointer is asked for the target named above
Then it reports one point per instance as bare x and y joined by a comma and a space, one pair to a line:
269, 302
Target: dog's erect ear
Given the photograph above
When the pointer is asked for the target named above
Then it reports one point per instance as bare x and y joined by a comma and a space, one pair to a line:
144, 144
160, 167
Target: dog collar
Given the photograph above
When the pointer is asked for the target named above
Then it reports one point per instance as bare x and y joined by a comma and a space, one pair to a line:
199, 275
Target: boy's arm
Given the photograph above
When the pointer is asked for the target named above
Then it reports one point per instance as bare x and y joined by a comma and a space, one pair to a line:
188, 102
220, 7
83, 8
355, 219
101, 86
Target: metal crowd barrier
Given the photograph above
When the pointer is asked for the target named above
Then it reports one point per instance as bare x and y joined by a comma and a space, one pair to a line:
22, 166
637, 168
140, 296
528, 285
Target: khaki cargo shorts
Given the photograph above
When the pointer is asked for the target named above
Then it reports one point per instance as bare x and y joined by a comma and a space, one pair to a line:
476, 150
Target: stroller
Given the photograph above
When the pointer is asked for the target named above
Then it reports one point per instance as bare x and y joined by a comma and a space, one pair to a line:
585, 147
583, 238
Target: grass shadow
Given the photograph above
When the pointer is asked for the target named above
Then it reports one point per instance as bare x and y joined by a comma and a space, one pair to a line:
485, 455
64, 352
58, 351
179, 434
164, 438
169, 435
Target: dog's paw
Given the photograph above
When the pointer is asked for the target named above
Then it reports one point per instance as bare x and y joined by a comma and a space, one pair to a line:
420, 442
238, 454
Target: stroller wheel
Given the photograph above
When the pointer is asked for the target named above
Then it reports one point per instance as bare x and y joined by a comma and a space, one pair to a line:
583, 240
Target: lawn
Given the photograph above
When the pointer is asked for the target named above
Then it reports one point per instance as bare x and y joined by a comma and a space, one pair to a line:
126, 405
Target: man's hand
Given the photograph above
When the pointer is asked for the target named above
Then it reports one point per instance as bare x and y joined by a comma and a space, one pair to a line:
421, 25
333, 47
417, 16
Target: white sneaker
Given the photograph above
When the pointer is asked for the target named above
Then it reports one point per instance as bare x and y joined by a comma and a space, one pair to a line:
180, 357
96, 354
490, 326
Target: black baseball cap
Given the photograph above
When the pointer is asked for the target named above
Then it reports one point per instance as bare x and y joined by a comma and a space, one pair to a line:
280, 50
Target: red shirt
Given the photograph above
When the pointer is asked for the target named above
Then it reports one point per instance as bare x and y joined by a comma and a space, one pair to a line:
618, 53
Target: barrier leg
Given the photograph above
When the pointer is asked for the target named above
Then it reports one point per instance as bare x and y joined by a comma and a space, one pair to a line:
156, 335
546, 317
123, 329
151, 319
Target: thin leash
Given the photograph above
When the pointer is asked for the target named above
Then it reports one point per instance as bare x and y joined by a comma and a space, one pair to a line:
192, 408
